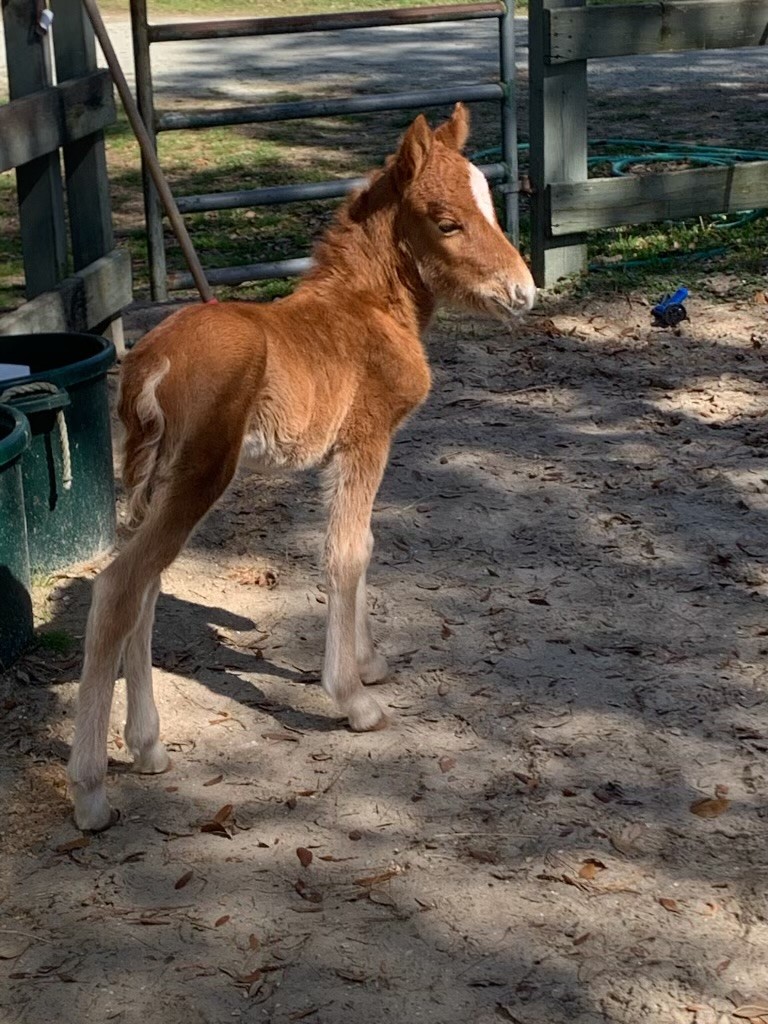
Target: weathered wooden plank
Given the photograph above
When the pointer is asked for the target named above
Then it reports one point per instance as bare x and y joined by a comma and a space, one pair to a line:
85, 162
673, 195
94, 295
616, 31
558, 134
38, 124
39, 186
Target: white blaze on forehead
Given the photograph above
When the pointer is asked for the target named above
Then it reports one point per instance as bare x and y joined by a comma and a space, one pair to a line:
482, 194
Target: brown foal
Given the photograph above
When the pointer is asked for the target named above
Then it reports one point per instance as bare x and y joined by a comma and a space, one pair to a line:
325, 376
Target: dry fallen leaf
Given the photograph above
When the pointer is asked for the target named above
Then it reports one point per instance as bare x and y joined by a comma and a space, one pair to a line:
483, 856
350, 974
751, 1011
383, 877
253, 941
222, 814
671, 905
304, 855
215, 828
287, 737
253, 577
710, 806
184, 880
73, 844
221, 921
590, 868
446, 763
12, 947
310, 895
214, 781
503, 1011
301, 1014
249, 979
625, 841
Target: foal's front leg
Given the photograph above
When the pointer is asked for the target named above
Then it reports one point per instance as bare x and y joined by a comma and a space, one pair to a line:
354, 478
371, 665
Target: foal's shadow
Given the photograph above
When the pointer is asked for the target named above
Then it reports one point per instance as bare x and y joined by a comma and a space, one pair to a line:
187, 643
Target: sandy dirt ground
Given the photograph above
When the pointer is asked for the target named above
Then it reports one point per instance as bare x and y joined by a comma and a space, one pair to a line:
566, 821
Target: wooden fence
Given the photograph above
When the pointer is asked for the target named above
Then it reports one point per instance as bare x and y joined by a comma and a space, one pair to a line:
563, 36
75, 279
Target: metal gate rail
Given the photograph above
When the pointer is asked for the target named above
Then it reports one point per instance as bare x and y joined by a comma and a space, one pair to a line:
505, 172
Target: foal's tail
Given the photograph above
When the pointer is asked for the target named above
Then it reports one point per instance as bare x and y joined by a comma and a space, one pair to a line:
144, 421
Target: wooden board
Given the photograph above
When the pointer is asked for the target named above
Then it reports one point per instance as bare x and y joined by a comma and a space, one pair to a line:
38, 124
81, 302
85, 161
673, 195
615, 31
39, 187
558, 134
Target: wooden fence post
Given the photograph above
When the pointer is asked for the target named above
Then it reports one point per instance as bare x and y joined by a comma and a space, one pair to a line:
85, 161
90, 212
40, 192
558, 138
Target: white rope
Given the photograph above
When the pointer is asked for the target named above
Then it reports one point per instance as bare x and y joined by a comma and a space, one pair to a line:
43, 387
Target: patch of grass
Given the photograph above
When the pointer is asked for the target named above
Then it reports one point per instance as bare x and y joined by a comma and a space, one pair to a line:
12, 275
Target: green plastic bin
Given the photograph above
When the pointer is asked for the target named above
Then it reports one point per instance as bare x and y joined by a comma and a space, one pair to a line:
70, 515
15, 602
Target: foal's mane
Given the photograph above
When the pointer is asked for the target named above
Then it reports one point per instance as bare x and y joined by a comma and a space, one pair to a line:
361, 226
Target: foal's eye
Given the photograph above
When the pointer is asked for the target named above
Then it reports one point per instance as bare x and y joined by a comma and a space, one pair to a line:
448, 227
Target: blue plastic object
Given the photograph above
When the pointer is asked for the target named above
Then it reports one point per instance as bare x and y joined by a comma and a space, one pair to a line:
670, 311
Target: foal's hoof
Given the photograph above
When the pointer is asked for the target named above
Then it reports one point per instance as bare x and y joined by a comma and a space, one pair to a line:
374, 671
152, 761
92, 810
365, 715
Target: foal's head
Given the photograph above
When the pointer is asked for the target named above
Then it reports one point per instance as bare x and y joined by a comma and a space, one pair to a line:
448, 222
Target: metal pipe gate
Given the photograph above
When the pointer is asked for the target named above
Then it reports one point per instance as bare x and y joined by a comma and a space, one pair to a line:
505, 172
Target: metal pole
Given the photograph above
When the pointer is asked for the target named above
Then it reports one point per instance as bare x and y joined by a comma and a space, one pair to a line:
273, 195
251, 272
298, 109
147, 150
153, 213
511, 185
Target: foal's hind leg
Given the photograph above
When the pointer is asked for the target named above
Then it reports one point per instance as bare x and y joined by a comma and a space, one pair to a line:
115, 608
371, 665
119, 594
142, 726
354, 477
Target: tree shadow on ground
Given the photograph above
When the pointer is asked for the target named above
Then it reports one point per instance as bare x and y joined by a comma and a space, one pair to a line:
570, 571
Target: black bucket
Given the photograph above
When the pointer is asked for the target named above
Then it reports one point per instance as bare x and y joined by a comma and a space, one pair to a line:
15, 602
69, 495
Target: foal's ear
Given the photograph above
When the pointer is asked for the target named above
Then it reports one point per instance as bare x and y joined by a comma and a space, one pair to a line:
413, 152
455, 131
